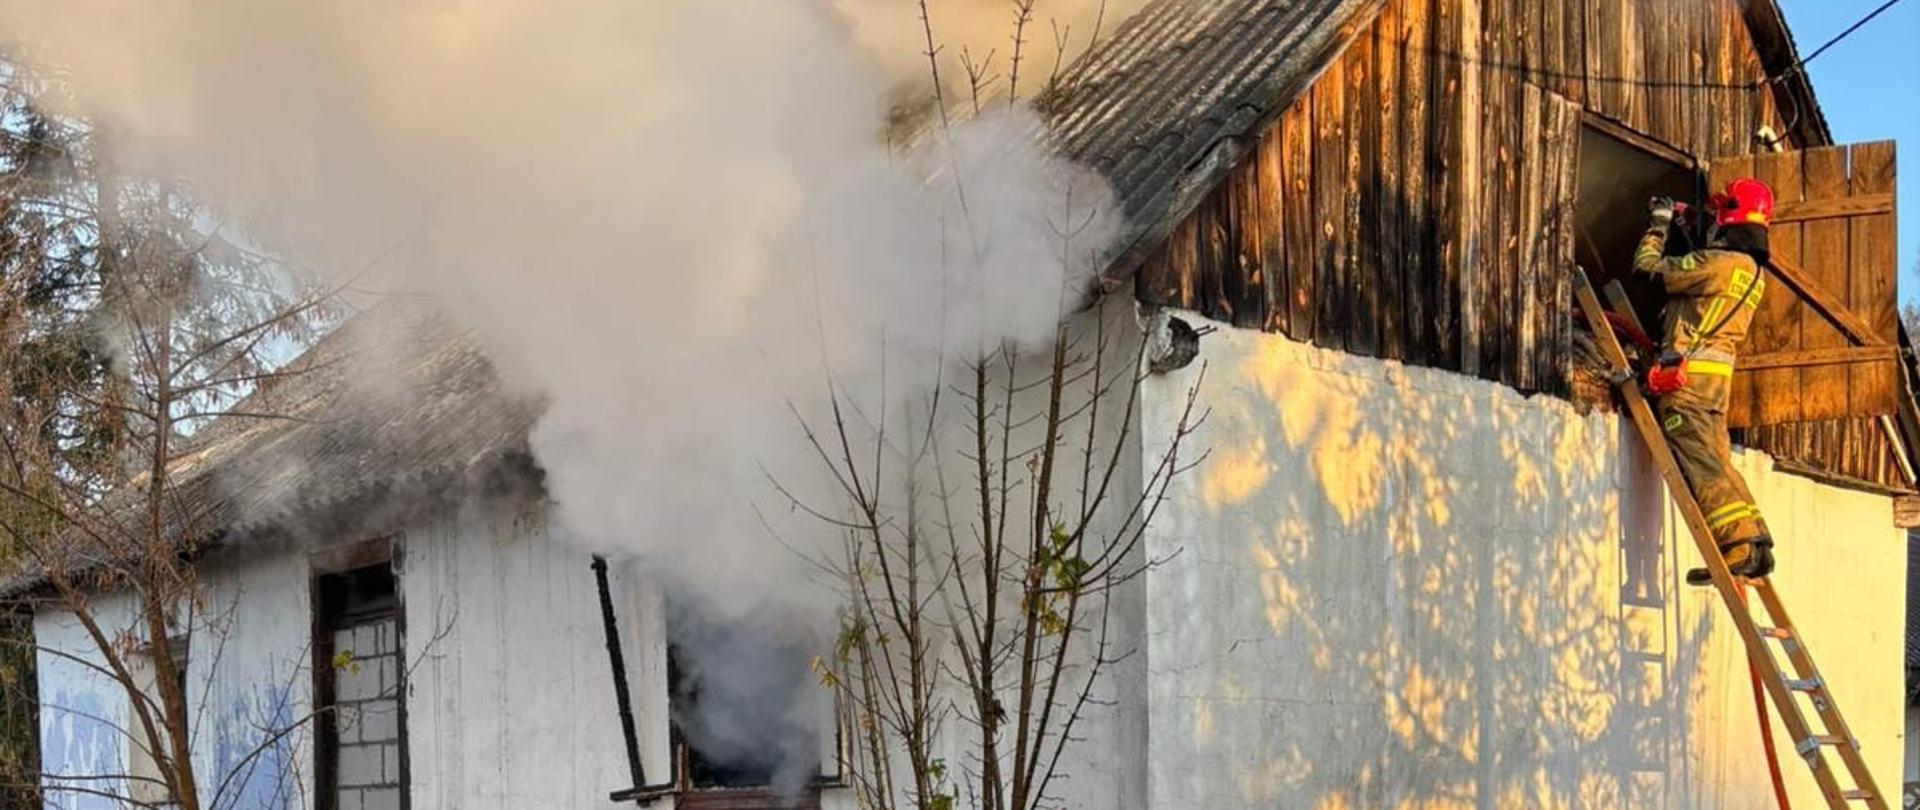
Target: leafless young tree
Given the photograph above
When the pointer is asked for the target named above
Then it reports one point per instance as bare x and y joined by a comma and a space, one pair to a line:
988, 531
981, 578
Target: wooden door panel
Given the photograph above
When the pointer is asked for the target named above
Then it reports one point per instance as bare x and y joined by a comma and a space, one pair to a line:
1820, 347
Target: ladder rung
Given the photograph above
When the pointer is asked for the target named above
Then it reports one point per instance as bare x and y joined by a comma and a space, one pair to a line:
1812, 684
1858, 795
1807, 745
1775, 632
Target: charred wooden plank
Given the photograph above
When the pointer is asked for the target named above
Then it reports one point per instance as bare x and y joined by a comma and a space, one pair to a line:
1329, 190
1500, 235
1576, 49
1554, 263
1183, 262
1217, 280
1737, 108
1465, 184
1271, 201
1250, 298
1155, 283
1297, 227
1530, 233
1631, 66
1552, 70
1361, 270
1602, 19
1416, 224
1382, 206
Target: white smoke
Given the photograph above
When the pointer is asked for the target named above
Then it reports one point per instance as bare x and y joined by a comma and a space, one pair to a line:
669, 219
1053, 33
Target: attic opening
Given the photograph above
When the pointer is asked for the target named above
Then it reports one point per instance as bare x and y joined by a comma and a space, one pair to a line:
1619, 172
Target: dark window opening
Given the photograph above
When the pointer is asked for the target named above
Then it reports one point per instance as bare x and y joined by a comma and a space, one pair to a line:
359, 685
743, 733
1610, 213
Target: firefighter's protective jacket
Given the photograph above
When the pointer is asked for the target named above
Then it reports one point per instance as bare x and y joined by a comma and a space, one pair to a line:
1711, 297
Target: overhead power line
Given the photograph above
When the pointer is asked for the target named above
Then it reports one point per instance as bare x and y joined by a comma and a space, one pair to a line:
1802, 63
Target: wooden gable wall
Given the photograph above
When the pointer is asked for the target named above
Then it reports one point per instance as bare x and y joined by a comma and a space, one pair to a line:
1411, 204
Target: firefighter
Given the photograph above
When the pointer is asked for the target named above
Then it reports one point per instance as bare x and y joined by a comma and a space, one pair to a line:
1711, 297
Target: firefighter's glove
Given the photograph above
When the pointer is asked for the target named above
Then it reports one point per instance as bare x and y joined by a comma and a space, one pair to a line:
1661, 209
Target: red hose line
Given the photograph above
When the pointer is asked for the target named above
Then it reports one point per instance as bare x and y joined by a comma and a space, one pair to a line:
1766, 726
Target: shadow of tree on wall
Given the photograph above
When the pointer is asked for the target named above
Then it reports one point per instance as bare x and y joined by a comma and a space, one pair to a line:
1401, 587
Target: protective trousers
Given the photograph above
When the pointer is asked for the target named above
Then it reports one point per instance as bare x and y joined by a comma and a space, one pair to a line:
1695, 421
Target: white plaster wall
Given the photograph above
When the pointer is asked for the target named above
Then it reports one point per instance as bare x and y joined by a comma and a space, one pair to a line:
1404, 588
249, 677
85, 718
511, 701
248, 680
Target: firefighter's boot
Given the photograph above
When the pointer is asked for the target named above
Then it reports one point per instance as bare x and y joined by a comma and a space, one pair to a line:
1746, 559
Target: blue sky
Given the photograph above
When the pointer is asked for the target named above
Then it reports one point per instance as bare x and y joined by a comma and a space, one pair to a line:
1869, 86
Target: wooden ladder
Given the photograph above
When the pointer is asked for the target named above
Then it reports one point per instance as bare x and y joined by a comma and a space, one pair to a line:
1780, 687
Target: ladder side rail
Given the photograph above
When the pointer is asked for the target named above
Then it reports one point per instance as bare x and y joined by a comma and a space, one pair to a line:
1824, 702
1663, 461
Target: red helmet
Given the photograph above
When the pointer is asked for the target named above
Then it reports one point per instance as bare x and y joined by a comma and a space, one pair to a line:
1745, 202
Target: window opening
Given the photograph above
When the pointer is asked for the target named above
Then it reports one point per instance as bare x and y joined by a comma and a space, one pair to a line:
360, 687
1610, 212
744, 724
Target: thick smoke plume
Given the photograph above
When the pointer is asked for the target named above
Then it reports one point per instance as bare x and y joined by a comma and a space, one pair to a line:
674, 221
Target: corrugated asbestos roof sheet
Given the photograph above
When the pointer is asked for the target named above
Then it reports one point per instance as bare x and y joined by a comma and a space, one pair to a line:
1166, 106
396, 399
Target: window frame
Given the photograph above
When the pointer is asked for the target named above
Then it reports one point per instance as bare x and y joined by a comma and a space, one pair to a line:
323, 565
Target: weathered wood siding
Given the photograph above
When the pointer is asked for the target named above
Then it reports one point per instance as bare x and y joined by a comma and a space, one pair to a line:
1415, 203
1855, 450
1823, 345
